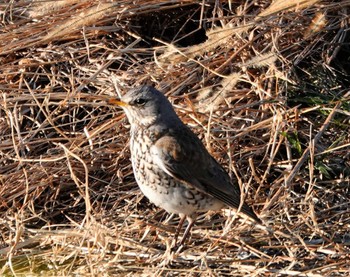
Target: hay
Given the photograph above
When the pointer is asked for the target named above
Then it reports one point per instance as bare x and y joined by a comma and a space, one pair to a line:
263, 84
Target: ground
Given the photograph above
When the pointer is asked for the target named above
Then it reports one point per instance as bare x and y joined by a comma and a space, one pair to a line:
263, 84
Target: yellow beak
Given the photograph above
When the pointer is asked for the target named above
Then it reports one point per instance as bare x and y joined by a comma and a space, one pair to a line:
117, 102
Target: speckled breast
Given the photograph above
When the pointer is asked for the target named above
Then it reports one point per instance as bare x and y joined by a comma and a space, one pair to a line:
160, 188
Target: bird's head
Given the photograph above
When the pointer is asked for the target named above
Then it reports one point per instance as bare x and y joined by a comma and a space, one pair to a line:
146, 105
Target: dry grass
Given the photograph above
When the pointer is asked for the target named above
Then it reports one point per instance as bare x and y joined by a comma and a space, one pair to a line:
263, 84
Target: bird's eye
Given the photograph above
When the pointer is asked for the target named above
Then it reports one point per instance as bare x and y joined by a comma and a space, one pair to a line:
140, 101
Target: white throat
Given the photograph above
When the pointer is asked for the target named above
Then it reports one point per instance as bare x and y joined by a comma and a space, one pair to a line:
149, 120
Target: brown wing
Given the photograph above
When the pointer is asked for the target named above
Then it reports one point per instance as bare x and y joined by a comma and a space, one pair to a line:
186, 159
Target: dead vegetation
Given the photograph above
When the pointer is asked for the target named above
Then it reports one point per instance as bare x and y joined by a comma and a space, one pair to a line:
265, 86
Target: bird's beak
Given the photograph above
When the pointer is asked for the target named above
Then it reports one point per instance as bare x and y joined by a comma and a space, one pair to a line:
117, 102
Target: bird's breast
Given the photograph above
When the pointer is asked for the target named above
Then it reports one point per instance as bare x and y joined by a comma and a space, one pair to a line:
161, 188
146, 170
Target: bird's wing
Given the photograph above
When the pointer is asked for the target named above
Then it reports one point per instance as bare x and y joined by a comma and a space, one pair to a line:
186, 159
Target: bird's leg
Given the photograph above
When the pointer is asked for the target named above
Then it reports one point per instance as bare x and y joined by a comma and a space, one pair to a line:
188, 229
179, 226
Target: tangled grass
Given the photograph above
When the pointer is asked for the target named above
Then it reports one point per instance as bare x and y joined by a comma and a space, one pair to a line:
263, 84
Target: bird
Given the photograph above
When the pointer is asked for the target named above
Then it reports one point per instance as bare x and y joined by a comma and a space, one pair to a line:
171, 165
